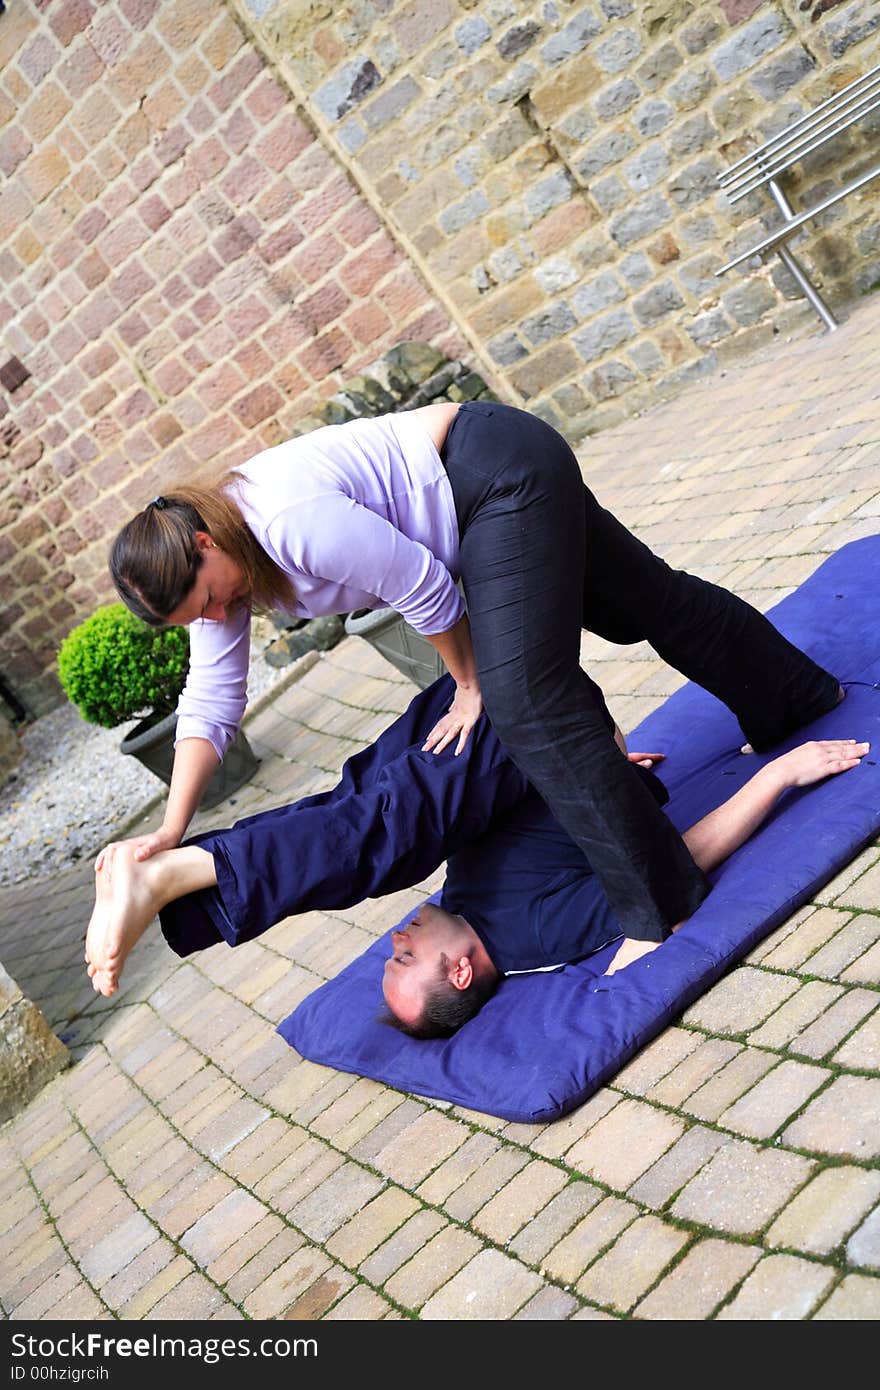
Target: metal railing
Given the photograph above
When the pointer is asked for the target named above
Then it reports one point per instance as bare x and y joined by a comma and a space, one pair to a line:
800, 138
787, 148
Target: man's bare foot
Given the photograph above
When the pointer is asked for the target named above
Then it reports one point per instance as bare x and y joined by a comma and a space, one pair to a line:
841, 694
125, 904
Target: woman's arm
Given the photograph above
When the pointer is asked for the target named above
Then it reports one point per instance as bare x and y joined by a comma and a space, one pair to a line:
214, 698
208, 713
195, 762
457, 653
195, 759
349, 546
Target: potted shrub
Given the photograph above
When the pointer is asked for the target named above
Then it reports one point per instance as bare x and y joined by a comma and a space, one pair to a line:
115, 668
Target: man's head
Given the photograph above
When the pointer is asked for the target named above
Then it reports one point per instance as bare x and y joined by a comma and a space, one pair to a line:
439, 975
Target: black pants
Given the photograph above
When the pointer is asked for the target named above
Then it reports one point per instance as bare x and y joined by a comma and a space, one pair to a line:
540, 560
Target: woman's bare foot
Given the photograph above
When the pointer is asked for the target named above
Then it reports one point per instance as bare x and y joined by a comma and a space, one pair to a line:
125, 904
629, 951
841, 694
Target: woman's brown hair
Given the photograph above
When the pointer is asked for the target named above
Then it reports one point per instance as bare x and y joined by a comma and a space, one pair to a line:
154, 560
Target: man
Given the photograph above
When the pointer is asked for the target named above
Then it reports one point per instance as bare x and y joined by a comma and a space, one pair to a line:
518, 893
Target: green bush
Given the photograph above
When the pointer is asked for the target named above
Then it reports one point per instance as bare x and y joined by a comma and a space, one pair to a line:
114, 667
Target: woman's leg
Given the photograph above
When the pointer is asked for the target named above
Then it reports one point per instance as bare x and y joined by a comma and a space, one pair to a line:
520, 503
707, 633
539, 559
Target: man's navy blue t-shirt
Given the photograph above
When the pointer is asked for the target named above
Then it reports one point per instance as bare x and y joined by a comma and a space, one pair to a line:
528, 892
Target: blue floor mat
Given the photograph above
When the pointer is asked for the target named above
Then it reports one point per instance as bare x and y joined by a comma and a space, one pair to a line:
546, 1042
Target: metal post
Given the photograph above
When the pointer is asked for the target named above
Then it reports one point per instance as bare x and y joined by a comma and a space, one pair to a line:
794, 266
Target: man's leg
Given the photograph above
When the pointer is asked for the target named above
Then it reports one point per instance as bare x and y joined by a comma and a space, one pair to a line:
707, 633
128, 895
390, 822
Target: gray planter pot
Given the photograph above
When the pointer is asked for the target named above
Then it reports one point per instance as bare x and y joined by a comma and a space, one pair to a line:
393, 637
152, 743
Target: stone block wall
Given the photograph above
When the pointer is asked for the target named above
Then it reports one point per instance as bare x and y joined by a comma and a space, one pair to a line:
185, 269
30, 1054
551, 167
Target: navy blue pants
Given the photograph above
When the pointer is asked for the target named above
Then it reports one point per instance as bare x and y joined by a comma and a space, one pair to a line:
540, 561
394, 817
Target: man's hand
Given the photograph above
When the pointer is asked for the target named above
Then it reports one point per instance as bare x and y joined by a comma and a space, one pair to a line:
811, 762
628, 951
463, 714
645, 759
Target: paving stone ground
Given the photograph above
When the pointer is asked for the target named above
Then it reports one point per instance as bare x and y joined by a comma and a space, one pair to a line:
189, 1164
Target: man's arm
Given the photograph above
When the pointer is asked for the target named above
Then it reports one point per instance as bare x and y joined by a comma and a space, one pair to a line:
714, 838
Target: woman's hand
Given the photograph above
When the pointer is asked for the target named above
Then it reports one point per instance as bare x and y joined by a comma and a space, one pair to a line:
463, 714
144, 847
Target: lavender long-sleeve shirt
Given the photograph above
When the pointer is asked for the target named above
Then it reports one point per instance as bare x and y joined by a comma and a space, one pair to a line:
359, 516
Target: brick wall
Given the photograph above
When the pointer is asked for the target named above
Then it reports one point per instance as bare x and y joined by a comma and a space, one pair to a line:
185, 270
551, 168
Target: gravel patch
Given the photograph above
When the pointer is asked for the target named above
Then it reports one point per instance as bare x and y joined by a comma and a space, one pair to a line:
66, 796
72, 788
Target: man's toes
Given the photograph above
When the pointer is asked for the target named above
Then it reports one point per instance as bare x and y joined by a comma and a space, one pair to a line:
104, 983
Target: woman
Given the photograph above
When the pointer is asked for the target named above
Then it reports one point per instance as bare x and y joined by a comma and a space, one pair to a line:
393, 510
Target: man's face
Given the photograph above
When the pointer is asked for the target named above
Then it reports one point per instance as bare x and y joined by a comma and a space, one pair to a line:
415, 966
